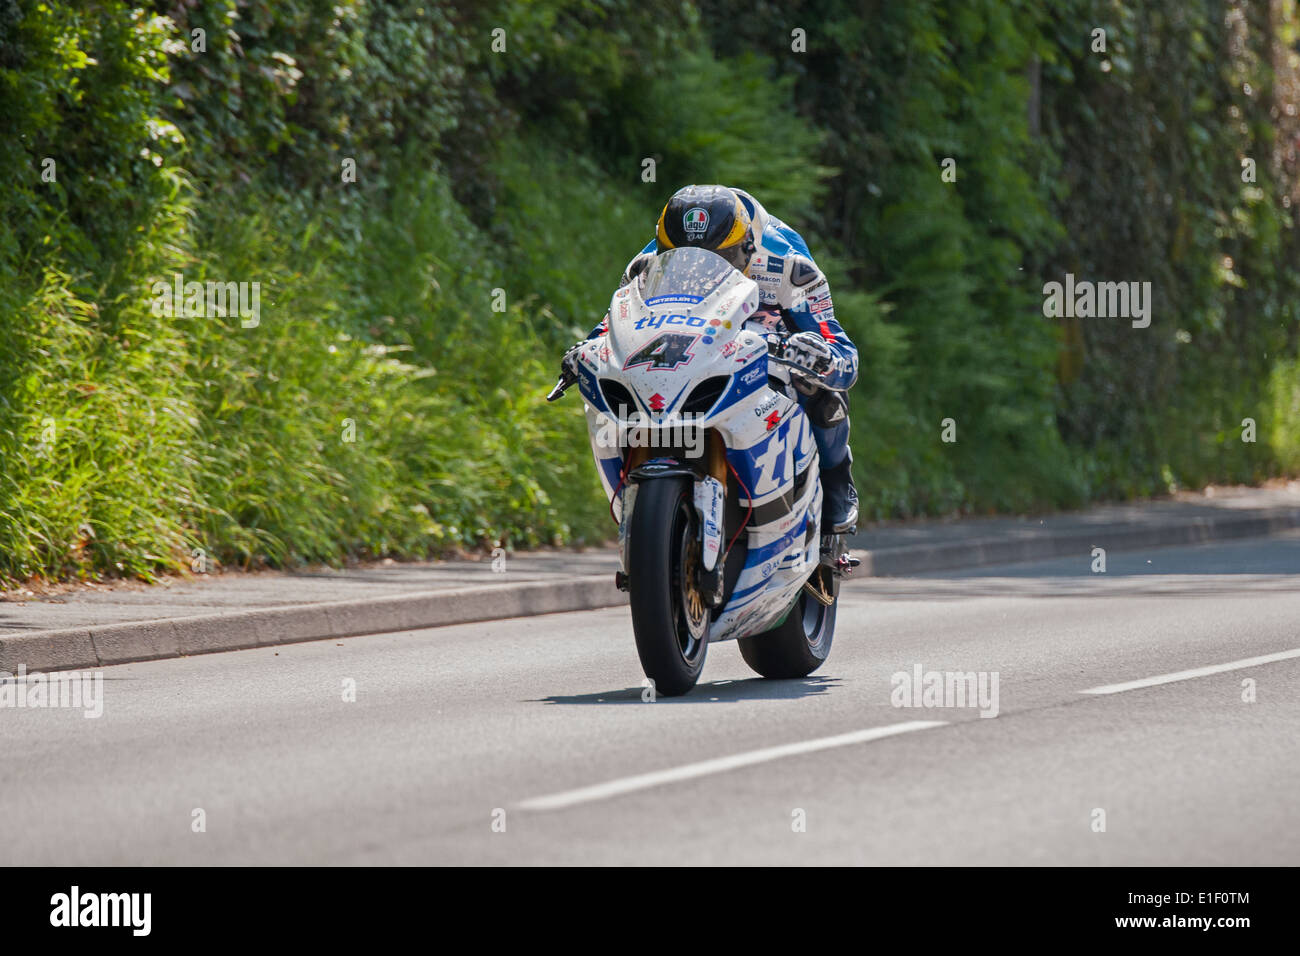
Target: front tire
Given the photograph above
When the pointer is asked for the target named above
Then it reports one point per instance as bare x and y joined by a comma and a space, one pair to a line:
801, 643
669, 617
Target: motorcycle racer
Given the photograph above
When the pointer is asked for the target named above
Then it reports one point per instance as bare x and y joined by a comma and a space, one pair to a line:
794, 298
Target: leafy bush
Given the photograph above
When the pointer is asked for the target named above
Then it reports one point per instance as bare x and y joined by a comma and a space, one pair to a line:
420, 309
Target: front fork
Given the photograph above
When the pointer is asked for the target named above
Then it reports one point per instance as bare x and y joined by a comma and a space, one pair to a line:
710, 505
709, 499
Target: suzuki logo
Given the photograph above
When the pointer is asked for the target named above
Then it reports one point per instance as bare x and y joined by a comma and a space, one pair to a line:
656, 402
773, 420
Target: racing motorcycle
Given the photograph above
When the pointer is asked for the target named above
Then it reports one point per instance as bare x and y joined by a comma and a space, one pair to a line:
712, 473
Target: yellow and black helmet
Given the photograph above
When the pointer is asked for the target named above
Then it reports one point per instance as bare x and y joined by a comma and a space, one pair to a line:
707, 217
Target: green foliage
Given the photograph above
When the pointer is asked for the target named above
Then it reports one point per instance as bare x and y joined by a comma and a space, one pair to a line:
80, 88
1123, 165
96, 416
727, 136
420, 309
1161, 407
295, 87
1284, 417
568, 232
317, 441
95, 409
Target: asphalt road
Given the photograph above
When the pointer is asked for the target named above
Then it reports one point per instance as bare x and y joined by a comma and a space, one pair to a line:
539, 724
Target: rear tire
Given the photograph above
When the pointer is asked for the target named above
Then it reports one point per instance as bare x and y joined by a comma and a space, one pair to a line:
669, 618
798, 645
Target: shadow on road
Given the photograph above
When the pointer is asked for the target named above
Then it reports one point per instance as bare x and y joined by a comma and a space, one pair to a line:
713, 692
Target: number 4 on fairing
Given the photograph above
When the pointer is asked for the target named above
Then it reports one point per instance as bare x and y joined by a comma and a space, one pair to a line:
668, 352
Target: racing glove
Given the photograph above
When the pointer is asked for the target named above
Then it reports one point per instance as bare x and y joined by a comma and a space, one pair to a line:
809, 351
569, 363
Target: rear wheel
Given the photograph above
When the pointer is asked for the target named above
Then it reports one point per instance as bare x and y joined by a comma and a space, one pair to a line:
669, 617
800, 644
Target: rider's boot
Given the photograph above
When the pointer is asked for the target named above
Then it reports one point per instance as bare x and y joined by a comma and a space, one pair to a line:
839, 498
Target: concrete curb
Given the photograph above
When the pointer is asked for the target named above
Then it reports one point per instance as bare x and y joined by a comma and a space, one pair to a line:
1041, 545
95, 646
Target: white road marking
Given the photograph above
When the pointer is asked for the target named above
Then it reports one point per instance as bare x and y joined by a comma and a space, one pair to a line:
657, 778
1194, 672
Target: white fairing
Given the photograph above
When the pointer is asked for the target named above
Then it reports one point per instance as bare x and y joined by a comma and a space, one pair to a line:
685, 321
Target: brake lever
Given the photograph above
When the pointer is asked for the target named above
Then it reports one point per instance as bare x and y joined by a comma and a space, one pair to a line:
562, 384
798, 371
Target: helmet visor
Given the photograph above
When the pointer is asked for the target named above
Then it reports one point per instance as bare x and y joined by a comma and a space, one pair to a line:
739, 254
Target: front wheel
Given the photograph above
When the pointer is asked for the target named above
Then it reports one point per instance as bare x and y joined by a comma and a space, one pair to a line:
669, 617
801, 643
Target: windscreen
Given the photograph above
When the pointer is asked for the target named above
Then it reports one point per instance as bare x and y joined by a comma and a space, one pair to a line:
684, 274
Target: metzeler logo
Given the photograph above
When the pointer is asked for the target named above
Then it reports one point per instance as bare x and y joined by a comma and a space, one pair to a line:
103, 909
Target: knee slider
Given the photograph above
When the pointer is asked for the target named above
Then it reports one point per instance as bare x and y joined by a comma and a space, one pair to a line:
828, 409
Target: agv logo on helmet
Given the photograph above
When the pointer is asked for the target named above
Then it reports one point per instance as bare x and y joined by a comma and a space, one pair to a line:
696, 223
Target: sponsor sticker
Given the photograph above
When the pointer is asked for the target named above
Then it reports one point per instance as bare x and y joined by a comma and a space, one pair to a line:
668, 351
675, 318
695, 222
657, 299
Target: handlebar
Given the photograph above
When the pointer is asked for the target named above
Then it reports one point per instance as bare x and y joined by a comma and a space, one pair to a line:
775, 353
